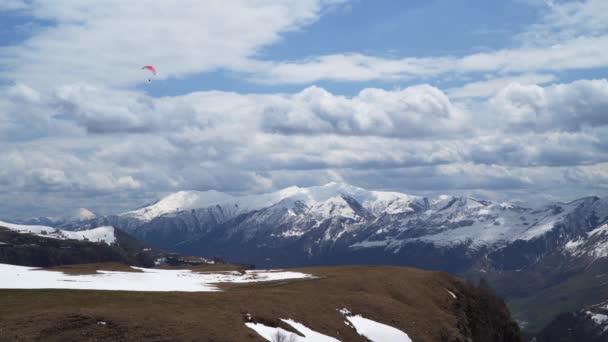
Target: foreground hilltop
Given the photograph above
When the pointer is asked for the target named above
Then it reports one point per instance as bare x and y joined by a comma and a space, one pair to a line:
337, 303
426, 306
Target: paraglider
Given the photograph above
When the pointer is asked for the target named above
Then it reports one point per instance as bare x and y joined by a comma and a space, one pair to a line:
150, 68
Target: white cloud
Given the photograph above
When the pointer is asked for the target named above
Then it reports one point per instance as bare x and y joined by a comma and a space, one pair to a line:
570, 35
107, 42
566, 20
414, 139
491, 86
565, 107
12, 5
351, 67
374, 112
403, 113
579, 53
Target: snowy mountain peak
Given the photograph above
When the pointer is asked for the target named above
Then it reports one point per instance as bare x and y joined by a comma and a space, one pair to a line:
377, 202
179, 201
340, 205
82, 214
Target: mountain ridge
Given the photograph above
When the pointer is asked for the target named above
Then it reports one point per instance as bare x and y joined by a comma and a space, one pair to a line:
339, 214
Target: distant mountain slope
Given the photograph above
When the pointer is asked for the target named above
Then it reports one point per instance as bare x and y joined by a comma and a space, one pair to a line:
100, 234
29, 249
589, 324
46, 246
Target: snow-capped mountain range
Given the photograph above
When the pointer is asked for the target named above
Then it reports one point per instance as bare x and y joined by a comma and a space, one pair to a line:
321, 200
448, 220
340, 223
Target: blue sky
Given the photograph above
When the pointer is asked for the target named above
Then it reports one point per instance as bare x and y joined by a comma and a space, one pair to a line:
384, 28
504, 100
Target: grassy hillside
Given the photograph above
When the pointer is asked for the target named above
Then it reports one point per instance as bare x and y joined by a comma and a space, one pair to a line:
415, 301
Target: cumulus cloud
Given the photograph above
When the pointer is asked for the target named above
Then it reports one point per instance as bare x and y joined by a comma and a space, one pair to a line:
566, 107
413, 112
546, 149
48, 169
412, 139
313, 111
491, 86
403, 113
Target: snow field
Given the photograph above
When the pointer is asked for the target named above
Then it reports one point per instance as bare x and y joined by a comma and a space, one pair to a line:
21, 277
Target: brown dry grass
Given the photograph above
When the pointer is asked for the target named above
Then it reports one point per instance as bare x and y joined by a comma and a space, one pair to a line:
412, 300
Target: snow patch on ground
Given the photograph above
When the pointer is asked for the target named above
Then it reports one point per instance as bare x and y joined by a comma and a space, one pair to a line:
374, 331
600, 250
599, 319
580, 246
292, 233
452, 294
99, 234
272, 334
603, 229
377, 332
370, 244
574, 244
21, 277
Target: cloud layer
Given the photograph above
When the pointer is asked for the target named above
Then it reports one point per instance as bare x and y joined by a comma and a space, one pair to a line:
524, 138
